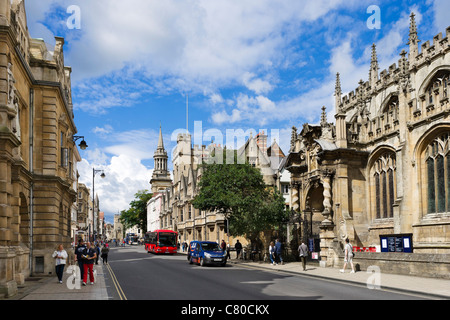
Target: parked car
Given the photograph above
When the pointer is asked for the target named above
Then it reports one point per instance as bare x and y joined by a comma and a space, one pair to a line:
206, 252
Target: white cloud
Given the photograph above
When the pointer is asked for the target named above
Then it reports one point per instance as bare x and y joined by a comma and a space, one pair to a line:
441, 10
107, 129
195, 43
124, 176
122, 162
255, 84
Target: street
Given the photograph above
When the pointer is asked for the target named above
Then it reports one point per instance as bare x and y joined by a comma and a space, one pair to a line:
134, 274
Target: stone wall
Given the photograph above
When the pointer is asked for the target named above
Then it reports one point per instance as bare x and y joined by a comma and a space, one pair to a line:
415, 264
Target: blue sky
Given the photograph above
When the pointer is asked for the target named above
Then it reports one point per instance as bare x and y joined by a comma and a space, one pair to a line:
250, 65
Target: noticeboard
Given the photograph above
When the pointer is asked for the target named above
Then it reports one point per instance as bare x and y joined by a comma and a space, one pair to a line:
396, 243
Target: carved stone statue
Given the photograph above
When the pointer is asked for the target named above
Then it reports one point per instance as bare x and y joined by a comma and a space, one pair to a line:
13, 103
11, 87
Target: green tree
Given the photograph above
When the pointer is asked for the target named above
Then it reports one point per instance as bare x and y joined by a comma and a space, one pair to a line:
136, 215
238, 191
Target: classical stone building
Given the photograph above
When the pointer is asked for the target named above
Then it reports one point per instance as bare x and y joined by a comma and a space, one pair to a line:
84, 208
380, 175
37, 162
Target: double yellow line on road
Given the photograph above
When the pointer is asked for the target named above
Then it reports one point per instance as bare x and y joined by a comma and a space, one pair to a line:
116, 283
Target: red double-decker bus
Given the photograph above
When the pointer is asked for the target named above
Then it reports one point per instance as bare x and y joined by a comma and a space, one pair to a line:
161, 241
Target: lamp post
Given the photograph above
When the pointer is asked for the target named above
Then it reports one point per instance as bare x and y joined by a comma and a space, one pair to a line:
94, 172
83, 145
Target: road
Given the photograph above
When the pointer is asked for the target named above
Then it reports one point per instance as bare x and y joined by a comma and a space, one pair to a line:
135, 274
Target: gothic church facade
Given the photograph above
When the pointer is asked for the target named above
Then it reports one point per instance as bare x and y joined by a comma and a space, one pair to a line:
383, 168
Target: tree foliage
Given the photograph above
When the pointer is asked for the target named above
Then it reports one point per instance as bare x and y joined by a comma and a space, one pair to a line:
136, 215
238, 191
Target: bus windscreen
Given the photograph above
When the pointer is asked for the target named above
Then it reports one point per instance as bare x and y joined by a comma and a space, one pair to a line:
167, 239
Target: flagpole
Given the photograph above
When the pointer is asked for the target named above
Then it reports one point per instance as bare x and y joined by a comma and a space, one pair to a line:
187, 113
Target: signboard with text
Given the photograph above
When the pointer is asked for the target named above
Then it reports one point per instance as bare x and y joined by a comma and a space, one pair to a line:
396, 243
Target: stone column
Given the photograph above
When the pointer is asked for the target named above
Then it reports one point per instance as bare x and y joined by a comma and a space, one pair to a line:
326, 182
327, 234
295, 200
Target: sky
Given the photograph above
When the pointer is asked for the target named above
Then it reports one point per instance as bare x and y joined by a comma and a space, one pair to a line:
238, 65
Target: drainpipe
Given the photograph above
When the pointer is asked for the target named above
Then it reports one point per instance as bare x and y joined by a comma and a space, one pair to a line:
31, 134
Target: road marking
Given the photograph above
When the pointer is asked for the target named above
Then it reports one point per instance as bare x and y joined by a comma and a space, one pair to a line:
116, 283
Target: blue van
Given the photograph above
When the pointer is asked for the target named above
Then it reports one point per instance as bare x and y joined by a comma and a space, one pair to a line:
206, 252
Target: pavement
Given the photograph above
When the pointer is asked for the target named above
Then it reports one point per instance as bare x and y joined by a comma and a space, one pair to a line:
50, 289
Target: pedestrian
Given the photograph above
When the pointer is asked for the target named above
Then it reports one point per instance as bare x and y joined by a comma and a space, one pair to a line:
279, 251
97, 248
238, 247
228, 251
60, 256
89, 256
105, 251
223, 245
79, 257
348, 256
303, 252
272, 252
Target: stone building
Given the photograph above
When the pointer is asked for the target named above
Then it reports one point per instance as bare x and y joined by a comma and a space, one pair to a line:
382, 171
154, 206
171, 207
37, 162
119, 230
84, 208
161, 175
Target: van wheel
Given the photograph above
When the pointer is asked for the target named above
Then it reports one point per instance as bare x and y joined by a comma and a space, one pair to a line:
190, 260
202, 262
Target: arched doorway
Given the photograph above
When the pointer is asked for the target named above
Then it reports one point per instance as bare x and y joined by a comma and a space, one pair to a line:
312, 215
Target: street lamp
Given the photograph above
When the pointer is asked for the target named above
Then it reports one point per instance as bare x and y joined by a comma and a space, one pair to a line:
102, 175
83, 145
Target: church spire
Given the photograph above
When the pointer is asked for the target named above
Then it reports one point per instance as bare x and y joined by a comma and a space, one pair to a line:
160, 140
338, 92
413, 38
323, 117
373, 73
161, 175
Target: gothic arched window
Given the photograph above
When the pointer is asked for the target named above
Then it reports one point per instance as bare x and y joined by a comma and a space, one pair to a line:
384, 176
437, 162
438, 87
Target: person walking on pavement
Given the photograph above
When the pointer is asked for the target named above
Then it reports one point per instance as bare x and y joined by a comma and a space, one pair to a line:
89, 256
105, 251
348, 256
97, 248
272, 252
79, 257
238, 247
223, 246
278, 251
303, 252
60, 256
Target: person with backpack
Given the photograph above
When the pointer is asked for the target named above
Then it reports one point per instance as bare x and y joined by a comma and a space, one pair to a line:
79, 257
348, 256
